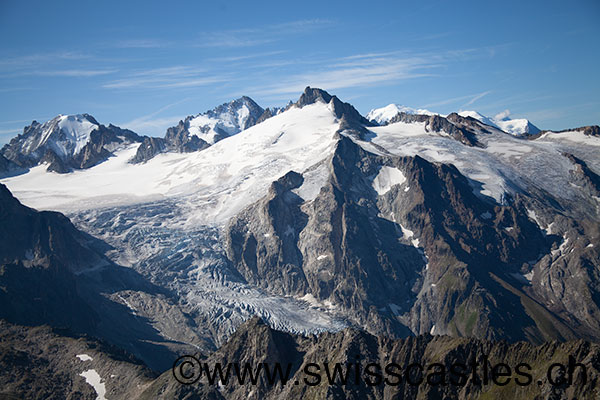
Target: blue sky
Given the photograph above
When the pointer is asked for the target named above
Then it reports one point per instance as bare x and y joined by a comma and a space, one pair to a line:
145, 65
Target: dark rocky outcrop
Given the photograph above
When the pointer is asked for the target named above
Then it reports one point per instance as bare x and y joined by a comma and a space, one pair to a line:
465, 130
254, 343
53, 274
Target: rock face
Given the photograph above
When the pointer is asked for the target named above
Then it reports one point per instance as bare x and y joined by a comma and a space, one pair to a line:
424, 254
465, 130
53, 274
343, 111
256, 343
45, 363
318, 221
66, 142
198, 132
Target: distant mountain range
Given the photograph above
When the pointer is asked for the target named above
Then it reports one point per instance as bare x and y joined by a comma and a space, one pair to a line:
70, 142
406, 234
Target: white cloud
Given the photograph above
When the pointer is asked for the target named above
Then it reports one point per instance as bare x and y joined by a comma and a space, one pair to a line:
167, 77
76, 73
503, 114
355, 71
476, 97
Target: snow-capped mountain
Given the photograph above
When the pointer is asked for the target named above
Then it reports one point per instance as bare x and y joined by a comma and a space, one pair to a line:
197, 132
66, 142
516, 127
225, 120
317, 218
502, 121
382, 115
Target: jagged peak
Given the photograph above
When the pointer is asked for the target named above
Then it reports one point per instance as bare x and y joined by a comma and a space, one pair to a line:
312, 95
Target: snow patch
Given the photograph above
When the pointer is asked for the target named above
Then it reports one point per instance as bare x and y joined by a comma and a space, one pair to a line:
94, 380
84, 357
384, 114
386, 178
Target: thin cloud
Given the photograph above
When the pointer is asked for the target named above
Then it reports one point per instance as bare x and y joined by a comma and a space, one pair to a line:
472, 98
41, 59
75, 73
476, 97
250, 37
363, 71
142, 44
152, 126
167, 77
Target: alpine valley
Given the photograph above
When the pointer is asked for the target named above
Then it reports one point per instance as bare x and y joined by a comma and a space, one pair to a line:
299, 234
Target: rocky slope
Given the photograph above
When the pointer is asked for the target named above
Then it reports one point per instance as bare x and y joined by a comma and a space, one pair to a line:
53, 274
66, 142
255, 343
197, 132
317, 219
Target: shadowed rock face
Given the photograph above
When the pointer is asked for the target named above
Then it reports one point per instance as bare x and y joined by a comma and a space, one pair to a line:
435, 257
254, 343
53, 274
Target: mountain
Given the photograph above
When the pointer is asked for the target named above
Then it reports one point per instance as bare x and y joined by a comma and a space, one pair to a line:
66, 142
381, 116
318, 220
502, 121
516, 127
312, 362
53, 274
197, 132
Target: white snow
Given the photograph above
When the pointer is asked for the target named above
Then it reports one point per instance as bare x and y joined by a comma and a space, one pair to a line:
206, 127
94, 380
77, 130
322, 257
66, 135
529, 276
570, 136
315, 177
386, 178
84, 357
516, 127
384, 114
432, 331
212, 184
310, 299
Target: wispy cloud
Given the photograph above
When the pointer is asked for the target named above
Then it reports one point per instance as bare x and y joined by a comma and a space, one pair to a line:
142, 44
32, 58
355, 71
153, 124
168, 77
74, 72
476, 97
472, 98
9, 131
250, 37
